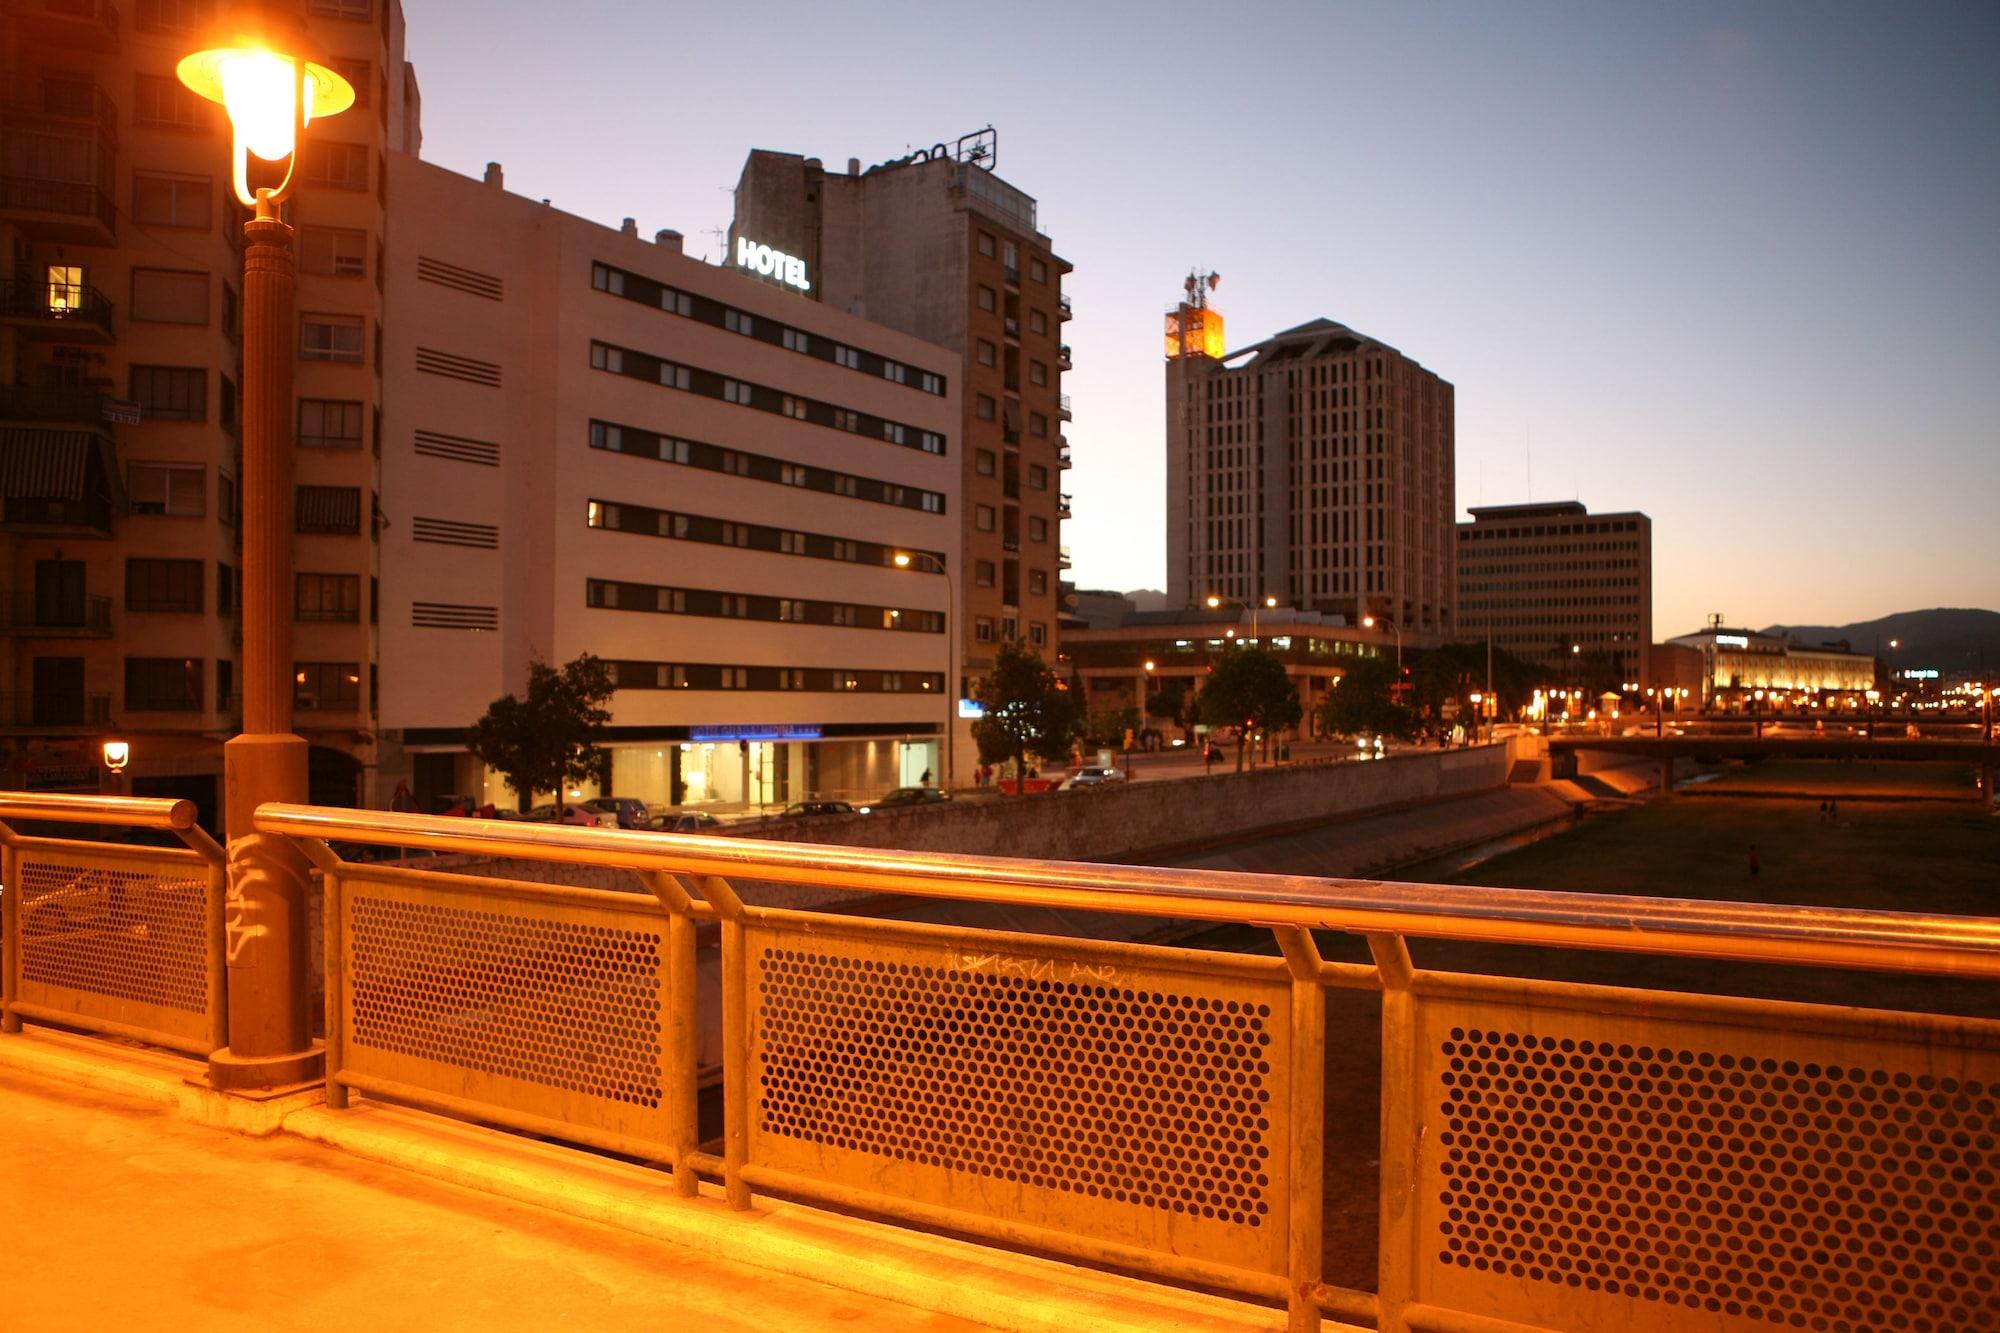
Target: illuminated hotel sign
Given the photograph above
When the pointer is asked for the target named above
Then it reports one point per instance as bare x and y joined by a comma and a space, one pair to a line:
766, 262
1921, 673
1731, 641
780, 732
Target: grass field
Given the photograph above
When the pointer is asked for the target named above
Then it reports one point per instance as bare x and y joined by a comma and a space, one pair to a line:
1847, 781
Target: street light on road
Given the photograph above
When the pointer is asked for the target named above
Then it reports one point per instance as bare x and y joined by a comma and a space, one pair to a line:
1215, 602
903, 561
1370, 622
271, 92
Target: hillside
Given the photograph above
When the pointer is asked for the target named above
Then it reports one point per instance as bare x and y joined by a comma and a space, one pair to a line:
1952, 639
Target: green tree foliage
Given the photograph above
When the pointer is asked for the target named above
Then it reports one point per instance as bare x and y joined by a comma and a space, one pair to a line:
1456, 670
1028, 711
548, 738
1247, 689
1107, 723
1362, 702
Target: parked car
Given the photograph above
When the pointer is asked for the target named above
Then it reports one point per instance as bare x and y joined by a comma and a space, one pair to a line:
690, 821
1092, 776
806, 809
628, 812
905, 796
579, 815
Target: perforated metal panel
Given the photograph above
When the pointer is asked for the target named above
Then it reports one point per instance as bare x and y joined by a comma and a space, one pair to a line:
113, 935
1003, 1074
536, 1007
1604, 1171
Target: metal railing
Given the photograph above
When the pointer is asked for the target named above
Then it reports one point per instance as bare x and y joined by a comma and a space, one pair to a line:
75, 199
79, 616
26, 402
114, 938
66, 306
1552, 1155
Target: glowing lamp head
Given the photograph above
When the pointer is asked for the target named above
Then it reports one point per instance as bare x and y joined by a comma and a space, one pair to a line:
1270, 601
117, 754
1213, 601
1368, 622
902, 560
1149, 664
269, 98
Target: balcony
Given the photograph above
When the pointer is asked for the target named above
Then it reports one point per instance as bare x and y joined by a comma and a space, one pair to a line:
84, 25
1012, 326
22, 402
58, 312
1062, 453
57, 474
1063, 505
1062, 557
25, 711
1062, 408
1062, 357
1063, 310
1011, 487
1013, 274
30, 617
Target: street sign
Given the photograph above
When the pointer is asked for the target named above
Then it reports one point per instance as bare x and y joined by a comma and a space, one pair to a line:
121, 411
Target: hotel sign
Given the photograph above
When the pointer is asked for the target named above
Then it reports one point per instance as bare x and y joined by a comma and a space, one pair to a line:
777, 732
1731, 641
768, 263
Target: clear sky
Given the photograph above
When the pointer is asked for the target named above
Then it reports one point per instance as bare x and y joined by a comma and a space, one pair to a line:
1737, 266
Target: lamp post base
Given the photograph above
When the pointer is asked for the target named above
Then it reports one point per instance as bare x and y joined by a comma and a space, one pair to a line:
266, 1074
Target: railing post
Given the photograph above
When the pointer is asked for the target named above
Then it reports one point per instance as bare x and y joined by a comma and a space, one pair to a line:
1305, 1230
333, 945
10, 930
735, 1040
1396, 1273
682, 1062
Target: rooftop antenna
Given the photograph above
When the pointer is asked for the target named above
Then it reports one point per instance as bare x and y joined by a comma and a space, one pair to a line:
721, 235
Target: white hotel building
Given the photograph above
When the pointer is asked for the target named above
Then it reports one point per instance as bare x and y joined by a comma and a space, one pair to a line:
593, 443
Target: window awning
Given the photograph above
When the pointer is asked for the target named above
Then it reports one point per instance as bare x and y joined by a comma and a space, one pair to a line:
37, 464
329, 509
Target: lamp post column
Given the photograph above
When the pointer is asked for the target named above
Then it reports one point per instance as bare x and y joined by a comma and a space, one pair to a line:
270, 1024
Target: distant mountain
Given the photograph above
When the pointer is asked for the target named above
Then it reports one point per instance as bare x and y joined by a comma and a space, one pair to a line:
1147, 599
1949, 638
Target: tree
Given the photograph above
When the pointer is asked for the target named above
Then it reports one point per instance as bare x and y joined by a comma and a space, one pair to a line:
1247, 689
1174, 703
1458, 670
547, 739
1362, 702
1028, 711
1107, 723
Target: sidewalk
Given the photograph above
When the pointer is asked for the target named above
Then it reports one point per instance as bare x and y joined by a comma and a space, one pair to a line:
123, 1215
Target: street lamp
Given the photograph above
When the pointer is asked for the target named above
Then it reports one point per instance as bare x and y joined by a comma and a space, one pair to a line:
1215, 604
271, 92
903, 561
1370, 622
117, 754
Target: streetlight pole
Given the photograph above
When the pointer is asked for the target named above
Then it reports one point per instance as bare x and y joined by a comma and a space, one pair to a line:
903, 559
270, 94
1215, 601
1370, 622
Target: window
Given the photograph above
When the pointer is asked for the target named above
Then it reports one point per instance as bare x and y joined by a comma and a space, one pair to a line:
1038, 270
230, 308
1009, 628
1038, 476
982, 573
791, 610
986, 408
225, 412
846, 356
326, 423
174, 15
986, 244
1038, 528
932, 383
225, 497
165, 585
328, 509
1038, 373
169, 296
733, 678
1038, 581
225, 684
162, 102
735, 391
983, 462
1038, 633
337, 166
794, 407
982, 629
171, 201
327, 597
793, 474
895, 372
360, 73
326, 685
1038, 425
358, 10
170, 393
225, 596
1038, 322
988, 353
163, 684
738, 322
930, 442
796, 341
982, 517
330, 338
988, 298
892, 432
338, 251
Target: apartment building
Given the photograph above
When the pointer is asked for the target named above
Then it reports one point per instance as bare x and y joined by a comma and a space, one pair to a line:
120, 364
937, 245
1315, 467
745, 500
1551, 582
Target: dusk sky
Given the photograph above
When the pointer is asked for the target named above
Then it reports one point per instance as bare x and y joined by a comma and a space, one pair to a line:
1737, 266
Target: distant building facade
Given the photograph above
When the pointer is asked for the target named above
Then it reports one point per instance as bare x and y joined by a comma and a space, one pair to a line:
596, 443
938, 246
1543, 579
1315, 467
1738, 663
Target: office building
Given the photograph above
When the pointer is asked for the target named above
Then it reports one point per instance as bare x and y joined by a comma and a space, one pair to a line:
1314, 467
595, 443
1553, 582
120, 364
938, 246
1739, 666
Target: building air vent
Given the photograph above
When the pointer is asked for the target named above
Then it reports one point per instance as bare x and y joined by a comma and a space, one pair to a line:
453, 615
433, 362
468, 280
448, 532
435, 444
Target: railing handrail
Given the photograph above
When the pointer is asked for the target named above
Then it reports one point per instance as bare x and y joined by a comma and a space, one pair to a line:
1761, 932
172, 814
